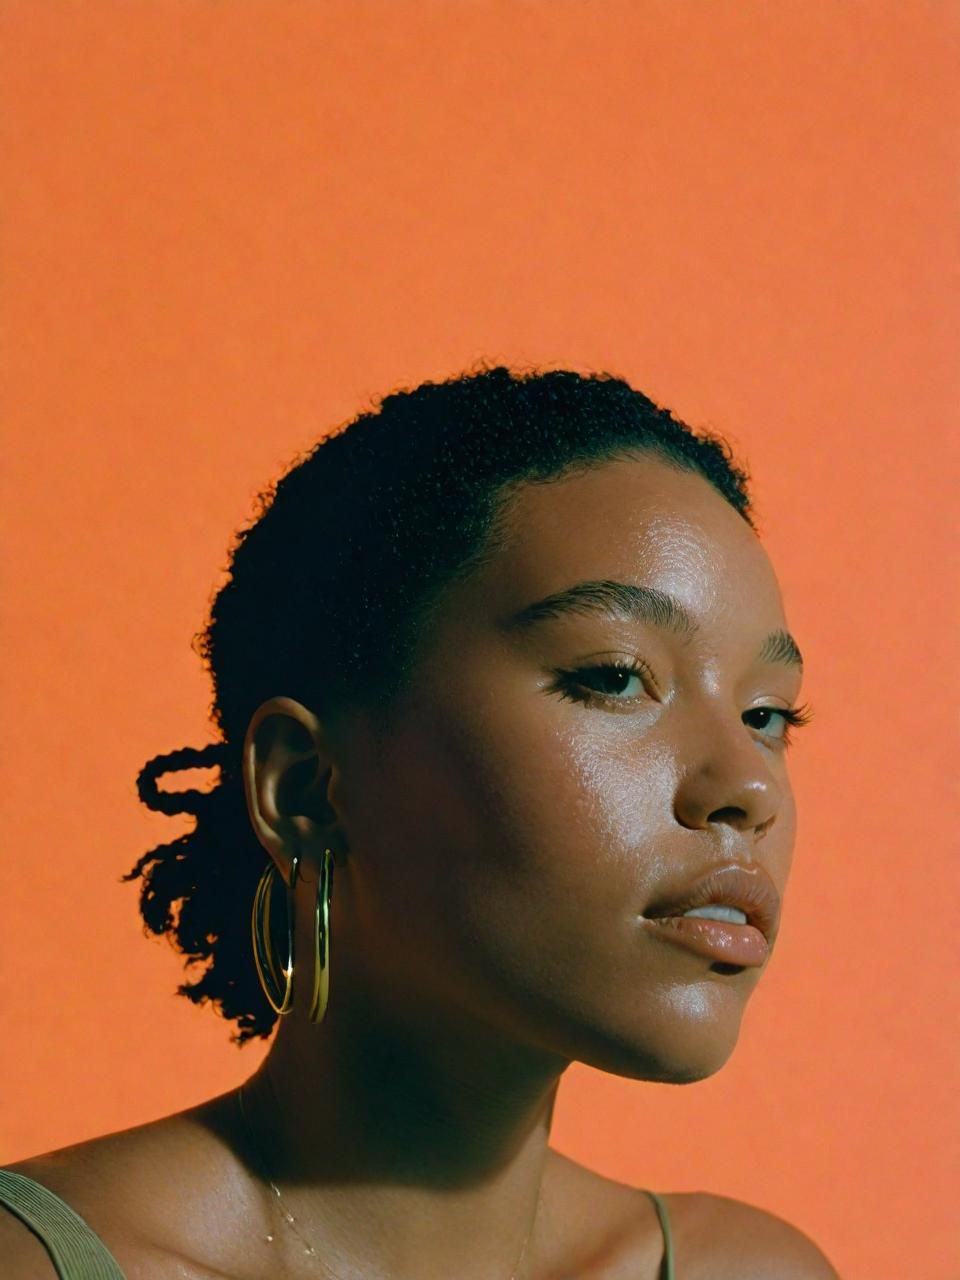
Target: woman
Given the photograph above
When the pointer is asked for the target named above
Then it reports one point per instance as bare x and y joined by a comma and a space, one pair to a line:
504, 688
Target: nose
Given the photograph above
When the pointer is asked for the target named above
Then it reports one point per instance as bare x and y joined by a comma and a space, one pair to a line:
727, 780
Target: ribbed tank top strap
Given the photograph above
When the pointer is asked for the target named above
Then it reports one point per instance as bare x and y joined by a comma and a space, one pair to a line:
75, 1249
667, 1267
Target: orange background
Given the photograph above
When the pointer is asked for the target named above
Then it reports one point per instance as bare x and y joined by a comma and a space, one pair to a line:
227, 223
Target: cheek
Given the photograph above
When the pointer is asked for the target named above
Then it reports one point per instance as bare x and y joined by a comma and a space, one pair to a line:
527, 831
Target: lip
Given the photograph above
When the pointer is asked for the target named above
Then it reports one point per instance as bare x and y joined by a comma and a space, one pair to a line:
749, 889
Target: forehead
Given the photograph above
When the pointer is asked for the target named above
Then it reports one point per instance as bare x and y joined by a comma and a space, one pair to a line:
641, 521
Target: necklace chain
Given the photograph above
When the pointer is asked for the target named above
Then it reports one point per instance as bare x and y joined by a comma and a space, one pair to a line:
284, 1211
291, 1221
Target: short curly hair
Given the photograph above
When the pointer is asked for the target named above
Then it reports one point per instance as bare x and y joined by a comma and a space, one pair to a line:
334, 581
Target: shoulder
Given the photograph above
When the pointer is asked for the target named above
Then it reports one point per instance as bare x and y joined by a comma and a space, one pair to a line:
718, 1238
24, 1257
714, 1237
60, 1172
95, 1181
144, 1191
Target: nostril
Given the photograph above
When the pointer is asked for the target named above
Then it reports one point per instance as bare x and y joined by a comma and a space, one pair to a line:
732, 815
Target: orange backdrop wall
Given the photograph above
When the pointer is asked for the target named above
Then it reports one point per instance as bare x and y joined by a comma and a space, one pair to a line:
228, 223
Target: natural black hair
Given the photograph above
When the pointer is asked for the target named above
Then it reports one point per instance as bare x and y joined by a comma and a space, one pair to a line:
332, 585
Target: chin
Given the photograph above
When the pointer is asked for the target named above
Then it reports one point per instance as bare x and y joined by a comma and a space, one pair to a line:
689, 1036
653, 1063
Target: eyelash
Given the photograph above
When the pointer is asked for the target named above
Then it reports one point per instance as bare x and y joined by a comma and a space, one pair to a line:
567, 688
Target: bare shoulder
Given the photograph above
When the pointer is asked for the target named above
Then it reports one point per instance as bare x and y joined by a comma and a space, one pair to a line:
718, 1238
70, 1173
613, 1227
144, 1191
24, 1257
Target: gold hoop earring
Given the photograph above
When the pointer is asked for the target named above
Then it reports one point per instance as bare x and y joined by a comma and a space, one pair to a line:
276, 979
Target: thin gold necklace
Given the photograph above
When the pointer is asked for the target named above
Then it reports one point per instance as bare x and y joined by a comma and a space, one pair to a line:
291, 1221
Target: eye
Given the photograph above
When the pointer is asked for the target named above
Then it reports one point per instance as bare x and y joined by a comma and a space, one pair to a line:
606, 682
782, 720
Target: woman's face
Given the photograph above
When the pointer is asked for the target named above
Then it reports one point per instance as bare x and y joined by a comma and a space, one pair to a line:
525, 812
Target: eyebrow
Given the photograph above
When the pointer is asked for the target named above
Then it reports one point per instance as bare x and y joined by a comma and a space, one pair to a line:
638, 604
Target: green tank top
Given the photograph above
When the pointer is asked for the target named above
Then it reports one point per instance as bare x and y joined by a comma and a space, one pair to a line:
78, 1253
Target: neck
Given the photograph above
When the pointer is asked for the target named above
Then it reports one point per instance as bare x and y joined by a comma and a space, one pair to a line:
414, 1150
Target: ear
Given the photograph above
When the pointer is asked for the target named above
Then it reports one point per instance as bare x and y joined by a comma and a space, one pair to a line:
287, 769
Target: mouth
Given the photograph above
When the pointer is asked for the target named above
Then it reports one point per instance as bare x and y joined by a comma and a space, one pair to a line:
729, 915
